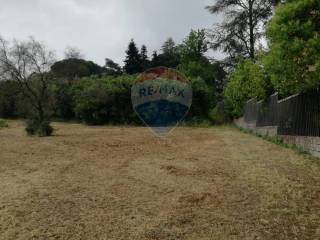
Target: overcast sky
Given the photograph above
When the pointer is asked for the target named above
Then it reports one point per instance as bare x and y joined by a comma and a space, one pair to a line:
102, 28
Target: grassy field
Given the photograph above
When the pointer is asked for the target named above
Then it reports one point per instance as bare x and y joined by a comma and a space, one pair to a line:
123, 183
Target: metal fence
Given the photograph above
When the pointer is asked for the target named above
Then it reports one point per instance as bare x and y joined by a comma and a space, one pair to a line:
298, 115
250, 110
268, 112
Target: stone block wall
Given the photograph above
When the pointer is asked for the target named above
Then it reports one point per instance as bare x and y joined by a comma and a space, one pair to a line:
309, 144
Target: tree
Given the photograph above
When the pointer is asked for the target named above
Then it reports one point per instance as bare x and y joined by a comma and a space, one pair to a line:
144, 58
155, 61
169, 46
28, 63
73, 53
105, 99
169, 56
247, 81
194, 63
293, 61
133, 59
194, 46
112, 68
242, 27
73, 68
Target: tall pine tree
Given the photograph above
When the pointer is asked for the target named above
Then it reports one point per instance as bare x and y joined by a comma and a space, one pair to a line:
133, 59
169, 56
145, 63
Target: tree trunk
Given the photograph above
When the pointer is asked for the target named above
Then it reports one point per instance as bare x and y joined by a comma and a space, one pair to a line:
251, 27
40, 113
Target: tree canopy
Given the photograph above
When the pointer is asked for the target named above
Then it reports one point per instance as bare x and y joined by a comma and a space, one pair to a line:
247, 81
133, 59
73, 68
242, 27
293, 61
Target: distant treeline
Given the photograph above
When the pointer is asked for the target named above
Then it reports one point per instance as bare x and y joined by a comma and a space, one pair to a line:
36, 87
82, 90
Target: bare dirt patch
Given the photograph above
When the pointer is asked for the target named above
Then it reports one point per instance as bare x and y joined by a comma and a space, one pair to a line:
123, 183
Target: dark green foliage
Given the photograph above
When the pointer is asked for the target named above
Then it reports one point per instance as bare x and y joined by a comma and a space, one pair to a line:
194, 46
145, 63
104, 100
133, 59
9, 99
195, 64
41, 129
63, 105
73, 68
212, 73
217, 116
203, 99
112, 68
170, 56
155, 61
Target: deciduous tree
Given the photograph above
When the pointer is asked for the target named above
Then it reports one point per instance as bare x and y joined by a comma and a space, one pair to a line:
73, 52
28, 63
242, 27
293, 61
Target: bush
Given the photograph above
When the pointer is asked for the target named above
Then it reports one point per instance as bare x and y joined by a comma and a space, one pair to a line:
63, 105
42, 129
203, 99
247, 81
217, 116
9, 99
102, 100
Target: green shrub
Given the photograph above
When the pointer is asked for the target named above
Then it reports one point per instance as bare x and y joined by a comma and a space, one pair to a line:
42, 129
63, 105
103, 100
9, 99
217, 116
247, 81
203, 99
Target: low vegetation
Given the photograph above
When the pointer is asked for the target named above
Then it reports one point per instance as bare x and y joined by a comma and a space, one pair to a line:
3, 124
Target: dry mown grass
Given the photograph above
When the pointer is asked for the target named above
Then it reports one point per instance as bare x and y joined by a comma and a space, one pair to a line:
123, 183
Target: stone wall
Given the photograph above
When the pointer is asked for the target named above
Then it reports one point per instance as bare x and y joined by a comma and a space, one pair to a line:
268, 130
309, 144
